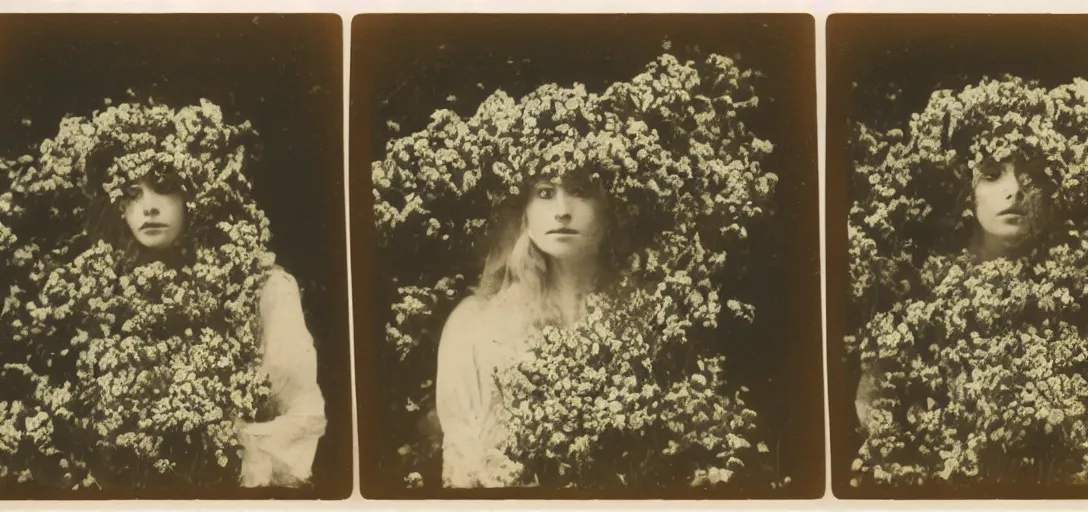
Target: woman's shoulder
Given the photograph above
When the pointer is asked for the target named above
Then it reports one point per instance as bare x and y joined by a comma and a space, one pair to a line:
479, 319
465, 318
279, 285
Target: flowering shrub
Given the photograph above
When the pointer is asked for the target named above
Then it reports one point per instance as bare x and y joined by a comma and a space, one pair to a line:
117, 373
980, 365
635, 393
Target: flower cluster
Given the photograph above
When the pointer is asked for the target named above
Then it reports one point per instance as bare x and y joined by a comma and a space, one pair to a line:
978, 365
585, 408
120, 373
683, 175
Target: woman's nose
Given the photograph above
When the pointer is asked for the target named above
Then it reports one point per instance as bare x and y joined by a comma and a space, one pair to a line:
150, 207
1012, 185
562, 206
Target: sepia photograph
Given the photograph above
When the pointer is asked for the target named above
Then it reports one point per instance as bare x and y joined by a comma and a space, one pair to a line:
173, 258
585, 256
957, 235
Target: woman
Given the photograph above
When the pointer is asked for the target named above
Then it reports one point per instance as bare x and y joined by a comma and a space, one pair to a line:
187, 342
1006, 204
588, 354
546, 260
278, 452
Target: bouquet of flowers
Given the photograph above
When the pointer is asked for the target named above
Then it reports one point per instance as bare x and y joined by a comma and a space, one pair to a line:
118, 374
634, 394
981, 365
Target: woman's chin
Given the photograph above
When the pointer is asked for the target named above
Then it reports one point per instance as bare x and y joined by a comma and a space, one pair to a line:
157, 241
1017, 238
1009, 234
558, 251
569, 255
154, 245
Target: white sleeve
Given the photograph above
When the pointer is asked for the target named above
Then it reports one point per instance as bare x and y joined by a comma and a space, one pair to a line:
281, 452
866, 393
459, 399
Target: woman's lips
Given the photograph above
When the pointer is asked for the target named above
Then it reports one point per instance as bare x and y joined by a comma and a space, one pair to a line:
151, 226
563, 231
1014, 215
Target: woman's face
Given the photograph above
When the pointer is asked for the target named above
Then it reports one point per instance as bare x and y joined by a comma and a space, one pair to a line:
154, 213
565, 221
1005, 201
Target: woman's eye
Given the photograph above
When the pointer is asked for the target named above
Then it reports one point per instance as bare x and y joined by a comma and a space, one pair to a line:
132, 192
545, 192
578, 191
165, 184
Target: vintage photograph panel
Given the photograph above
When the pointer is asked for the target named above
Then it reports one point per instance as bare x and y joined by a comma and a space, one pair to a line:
173, 269
591, 249
957, 235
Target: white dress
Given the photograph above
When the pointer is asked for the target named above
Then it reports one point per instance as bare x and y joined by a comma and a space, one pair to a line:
281, 452
479, 339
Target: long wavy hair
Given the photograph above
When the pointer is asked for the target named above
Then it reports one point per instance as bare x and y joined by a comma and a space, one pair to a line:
517, 272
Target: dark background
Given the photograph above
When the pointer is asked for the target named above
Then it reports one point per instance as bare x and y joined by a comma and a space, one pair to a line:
405, 66
872, 58
285, 75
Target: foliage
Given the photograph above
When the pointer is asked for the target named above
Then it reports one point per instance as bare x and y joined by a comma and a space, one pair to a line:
118, 373
980, 365
634, 394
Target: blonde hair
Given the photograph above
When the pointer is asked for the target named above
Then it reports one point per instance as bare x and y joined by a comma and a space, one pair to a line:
516, 271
